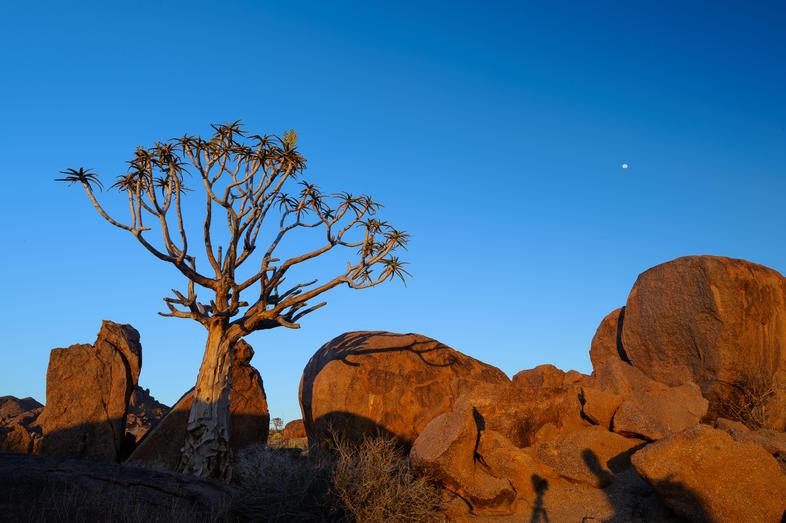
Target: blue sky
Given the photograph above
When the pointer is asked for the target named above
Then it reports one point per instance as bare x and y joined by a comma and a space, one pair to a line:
493, 134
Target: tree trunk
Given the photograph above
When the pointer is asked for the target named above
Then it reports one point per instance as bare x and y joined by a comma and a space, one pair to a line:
206, 450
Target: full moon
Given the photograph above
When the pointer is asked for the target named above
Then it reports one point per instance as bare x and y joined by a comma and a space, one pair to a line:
624, 165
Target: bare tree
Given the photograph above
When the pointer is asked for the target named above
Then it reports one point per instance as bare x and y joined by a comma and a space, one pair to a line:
244, 177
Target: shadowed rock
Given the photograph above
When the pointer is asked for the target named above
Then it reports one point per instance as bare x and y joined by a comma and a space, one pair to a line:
11, 406
87, 393
143, 413
704, 475
42, 488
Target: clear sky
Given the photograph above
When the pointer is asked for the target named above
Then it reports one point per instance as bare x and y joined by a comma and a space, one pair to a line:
494, 133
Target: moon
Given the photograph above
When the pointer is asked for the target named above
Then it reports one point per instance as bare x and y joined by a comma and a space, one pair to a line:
624, 165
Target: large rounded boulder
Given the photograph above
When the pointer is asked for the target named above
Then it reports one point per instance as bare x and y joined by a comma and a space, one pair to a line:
718, 322
381, 383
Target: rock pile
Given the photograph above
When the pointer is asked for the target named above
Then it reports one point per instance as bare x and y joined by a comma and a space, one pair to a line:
96, 411
697, 339
19, 429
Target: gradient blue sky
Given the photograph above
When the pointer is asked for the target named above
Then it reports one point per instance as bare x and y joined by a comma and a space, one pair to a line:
494, 133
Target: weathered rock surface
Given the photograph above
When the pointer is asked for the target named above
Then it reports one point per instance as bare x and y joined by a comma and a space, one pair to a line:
718, 322
704, 475
11, 406
547, 403
599, 406
591, 456
772, 441
18, 439
295, 429
143, 412
607, 342
249, 420
478, 464
19, 430
649, 409
87, 391
385, 383
445, 452
42, 488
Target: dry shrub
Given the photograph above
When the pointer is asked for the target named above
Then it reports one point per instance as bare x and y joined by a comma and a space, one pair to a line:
369, 483
373, 483
278, 484
747, 399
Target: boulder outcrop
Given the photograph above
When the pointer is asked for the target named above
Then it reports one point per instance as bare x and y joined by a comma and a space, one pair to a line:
11, 406
649, 409
704, 475
87, 392
19, 429
717, 322
385, 383
445, 451
580, 476
249, 420
295, 429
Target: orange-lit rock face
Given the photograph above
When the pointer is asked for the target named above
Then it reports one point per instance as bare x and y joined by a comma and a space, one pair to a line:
87, 392
715, 321
704, 475
381, 382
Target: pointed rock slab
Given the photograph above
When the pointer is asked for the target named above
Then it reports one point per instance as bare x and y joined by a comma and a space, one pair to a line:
704, 475
382, 383
249, 420
87, 393
718, 322
445, 451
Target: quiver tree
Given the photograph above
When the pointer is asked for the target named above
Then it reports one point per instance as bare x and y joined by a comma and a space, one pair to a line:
251, 183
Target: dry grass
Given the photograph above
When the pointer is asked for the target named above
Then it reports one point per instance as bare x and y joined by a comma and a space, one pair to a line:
278, 484
367, 483
59, 503
747, 400
374, 484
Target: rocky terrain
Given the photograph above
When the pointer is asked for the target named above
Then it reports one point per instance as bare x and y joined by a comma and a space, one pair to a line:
683, 417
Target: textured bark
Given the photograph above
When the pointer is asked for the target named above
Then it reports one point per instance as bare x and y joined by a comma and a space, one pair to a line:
206, 450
